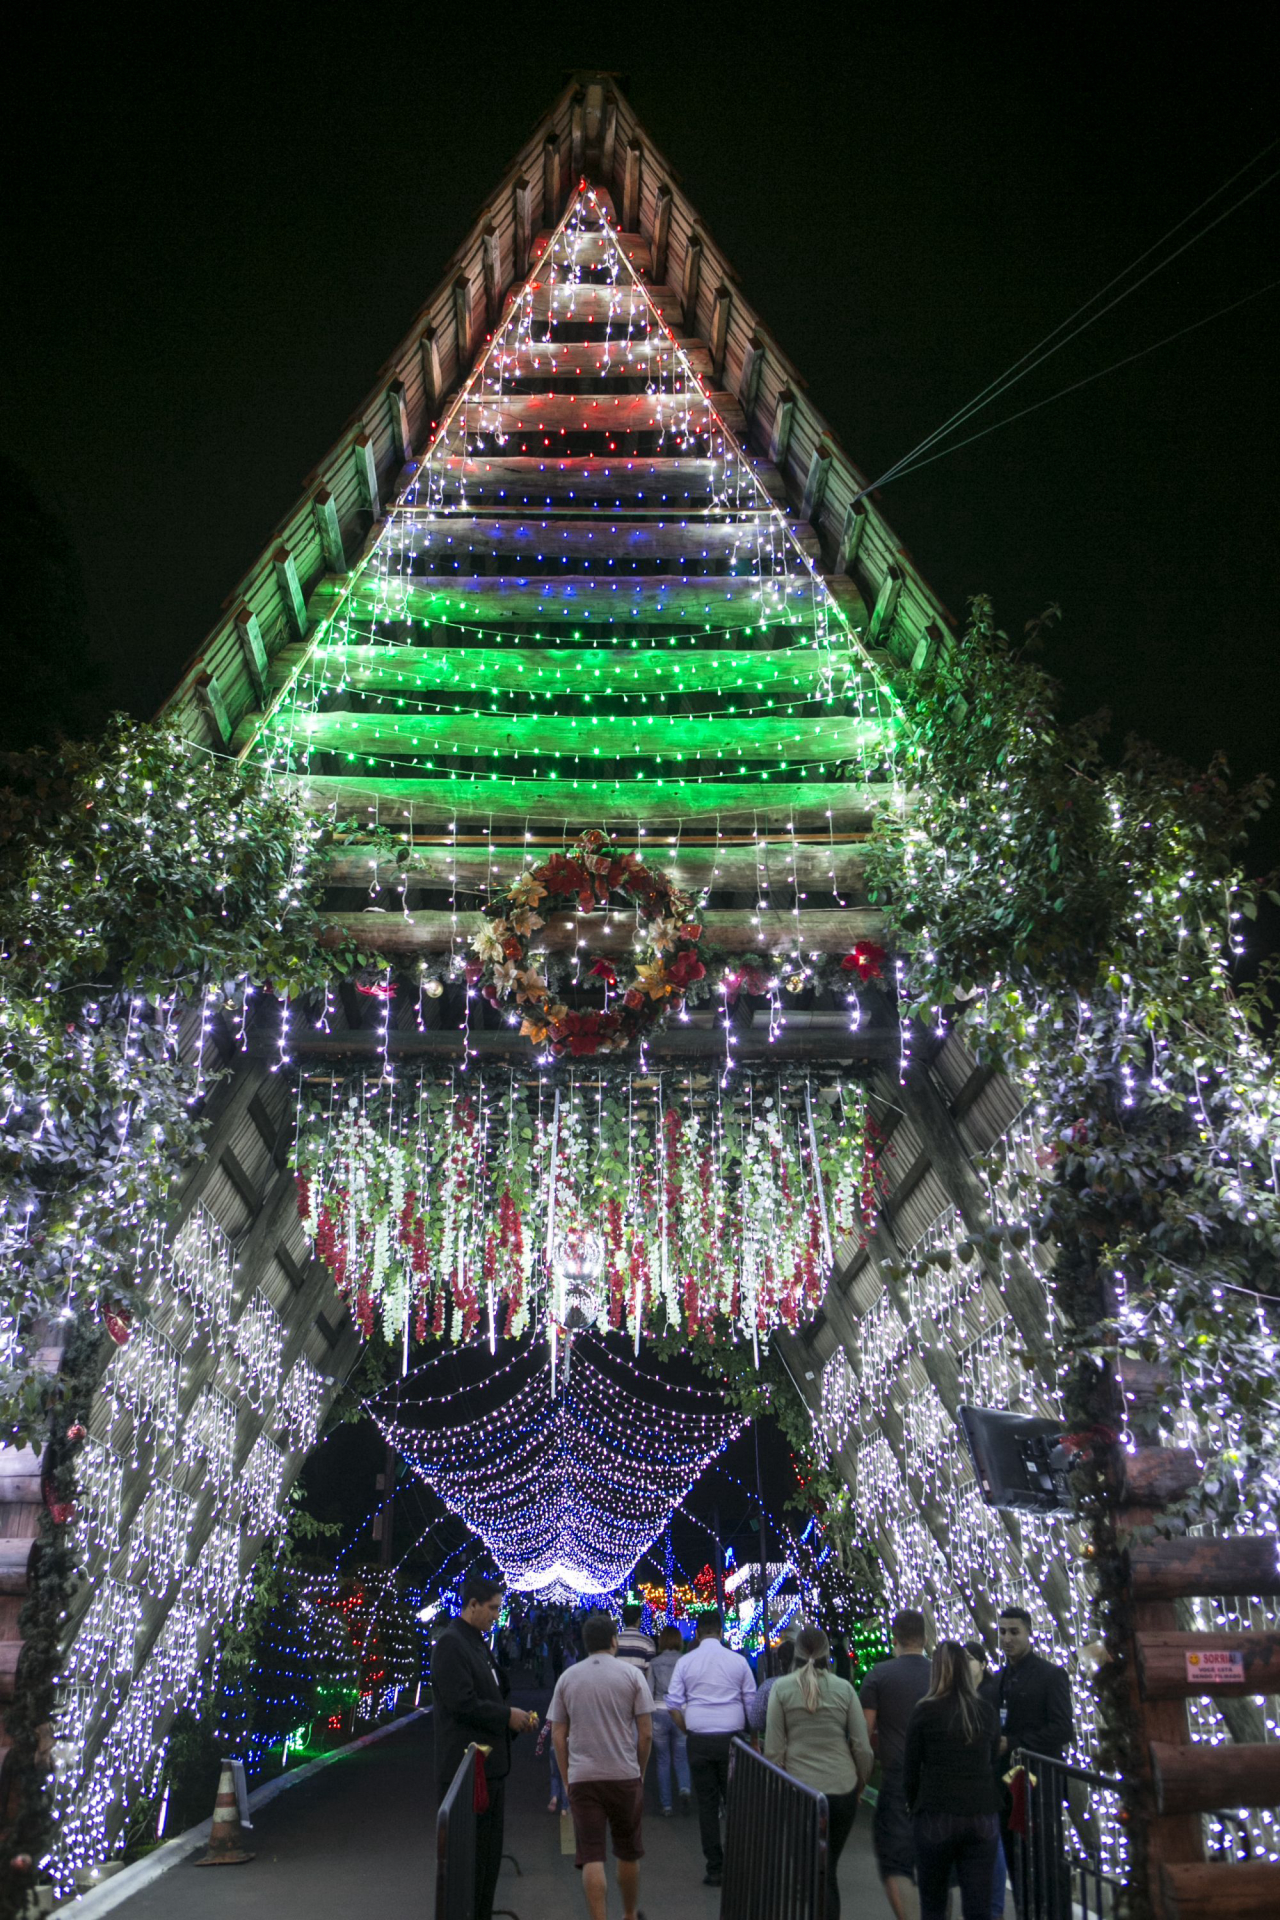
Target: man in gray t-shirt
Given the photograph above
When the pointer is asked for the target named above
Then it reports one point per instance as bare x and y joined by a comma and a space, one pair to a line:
889, 1695
601, 1718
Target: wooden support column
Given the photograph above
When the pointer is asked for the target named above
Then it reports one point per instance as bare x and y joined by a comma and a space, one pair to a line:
366, 472
631, 189
398, 405
249, 634
780, 438
886, 606
285, 568
609, 142
522, 201
432, 371
577, 139
928, 646
491, 255
721, 308
815, 485
752, 373
462, 322
325, 509
661, 235
551, 180
211, 699
855, 527
691, 281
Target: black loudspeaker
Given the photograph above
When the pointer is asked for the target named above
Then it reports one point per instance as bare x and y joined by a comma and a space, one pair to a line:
1020, 1460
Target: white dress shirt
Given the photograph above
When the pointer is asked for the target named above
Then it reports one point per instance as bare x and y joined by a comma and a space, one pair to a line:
711, 1686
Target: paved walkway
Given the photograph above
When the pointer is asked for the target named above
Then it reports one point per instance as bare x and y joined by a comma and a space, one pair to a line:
357, 1838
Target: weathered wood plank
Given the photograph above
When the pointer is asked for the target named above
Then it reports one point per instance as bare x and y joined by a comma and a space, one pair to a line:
1163, 1670
1180, 1569
709, 600
1222, 1890
674, 1043
760, 804
1200, 1779
613, 736
725, 930
820, 868
586, 413
737, 537
596, 249
595, 359
1155, 1475
586, 304
617, 480
405, 670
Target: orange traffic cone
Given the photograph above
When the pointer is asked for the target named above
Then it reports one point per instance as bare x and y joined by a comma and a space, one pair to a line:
224, 1849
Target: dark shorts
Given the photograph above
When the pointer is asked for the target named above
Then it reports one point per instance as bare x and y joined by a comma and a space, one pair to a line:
615, 1805
892, 1834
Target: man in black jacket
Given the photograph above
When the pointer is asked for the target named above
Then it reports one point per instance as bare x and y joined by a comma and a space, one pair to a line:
1033, 1699
469, 1702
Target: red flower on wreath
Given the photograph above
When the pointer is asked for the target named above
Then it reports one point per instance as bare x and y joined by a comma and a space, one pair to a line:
867, 961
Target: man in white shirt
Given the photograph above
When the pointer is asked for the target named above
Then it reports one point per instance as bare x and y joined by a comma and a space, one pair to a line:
708, 1698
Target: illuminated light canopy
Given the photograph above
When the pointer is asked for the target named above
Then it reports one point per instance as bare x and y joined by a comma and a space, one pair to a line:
567, 1488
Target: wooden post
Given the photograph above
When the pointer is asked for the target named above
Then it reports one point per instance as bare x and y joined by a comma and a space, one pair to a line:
551, 180
577, 142
432, 373
886, 605
325, 509
855, 527
661, 233
690, 282
721, 308
491, 255
255, 653
752, 373
631, 188
366, 472
815, 485
780, 438
928, 647
401, 438
210, 696
462, 322
609, 140
285, 568
522, 196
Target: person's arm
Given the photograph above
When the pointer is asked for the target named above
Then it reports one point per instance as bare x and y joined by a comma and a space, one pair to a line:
644, 1739
859, 1744
775, 1731
453, 1686
869, 1699
560, 1741
1052, 1735
913, 1760
758, 1708
747, 1681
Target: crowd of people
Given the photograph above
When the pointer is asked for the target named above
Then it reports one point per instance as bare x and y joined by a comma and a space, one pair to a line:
942, 1728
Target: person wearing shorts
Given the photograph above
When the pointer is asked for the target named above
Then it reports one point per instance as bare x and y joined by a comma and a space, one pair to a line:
601, 1718
889, 1695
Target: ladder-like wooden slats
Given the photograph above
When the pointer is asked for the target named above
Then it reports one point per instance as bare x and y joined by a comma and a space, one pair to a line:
836, 930
614, 736
759, 804
740, 538
707, 600
598, 250
596, 306
593, 360
416, 670
586, 412
818, 868
632, 481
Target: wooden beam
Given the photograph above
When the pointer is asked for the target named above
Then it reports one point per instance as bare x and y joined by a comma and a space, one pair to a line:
725, 930
709, 600
285, 569
551, 178
855, 526
721, 310
886, 605
249, 634
1153, 1476
783, 418
577, 138
325, 510
432, 374
815, 485
661, 235
1166, 1670
1221, 1890
609, 143
366, 469
522, 203
622, 479
1201, 1779
600, 250
584, 303
609, 736
656, 669
928, 647
678, 1042
398, 407
631, 186
691, 281
673, 538
1181, 1568
462, 322
606, 413
396, 800
753, 363
486, 868
491, 258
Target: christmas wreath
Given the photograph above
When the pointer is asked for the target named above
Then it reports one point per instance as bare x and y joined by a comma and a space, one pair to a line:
591, 875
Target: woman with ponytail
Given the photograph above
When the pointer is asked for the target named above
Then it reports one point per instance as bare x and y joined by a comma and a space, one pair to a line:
814, 1730
949, 1776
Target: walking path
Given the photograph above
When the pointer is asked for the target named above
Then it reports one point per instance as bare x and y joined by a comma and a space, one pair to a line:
359, 1838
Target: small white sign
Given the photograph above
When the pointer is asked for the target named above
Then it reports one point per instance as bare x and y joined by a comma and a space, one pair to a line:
1216, 1667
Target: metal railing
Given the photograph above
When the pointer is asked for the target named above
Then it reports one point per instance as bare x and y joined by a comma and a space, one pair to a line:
1061, 1867
456, 1844
775, 1851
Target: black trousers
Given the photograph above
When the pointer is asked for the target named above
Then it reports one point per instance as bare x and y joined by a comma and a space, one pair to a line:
841, 1807
709, 1773
965, 1842
489, 1834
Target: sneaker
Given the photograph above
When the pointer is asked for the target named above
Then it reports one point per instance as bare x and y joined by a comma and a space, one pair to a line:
666, 1813
686, 1803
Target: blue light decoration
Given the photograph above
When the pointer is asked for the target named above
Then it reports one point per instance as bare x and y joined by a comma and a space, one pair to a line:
566, 1482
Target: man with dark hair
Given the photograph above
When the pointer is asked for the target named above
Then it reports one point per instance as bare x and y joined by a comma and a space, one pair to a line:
1033, 1698
601, 1718
469, 1699
889, 1695
708, 1698
636, 1648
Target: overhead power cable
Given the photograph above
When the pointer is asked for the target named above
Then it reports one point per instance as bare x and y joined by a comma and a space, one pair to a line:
1089, 378
1043, 350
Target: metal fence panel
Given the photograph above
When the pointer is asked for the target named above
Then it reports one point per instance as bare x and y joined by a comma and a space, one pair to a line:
775, 1856
456, 1844
1061, 1869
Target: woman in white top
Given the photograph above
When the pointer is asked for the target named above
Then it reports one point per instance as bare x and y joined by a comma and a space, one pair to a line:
669, 1744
